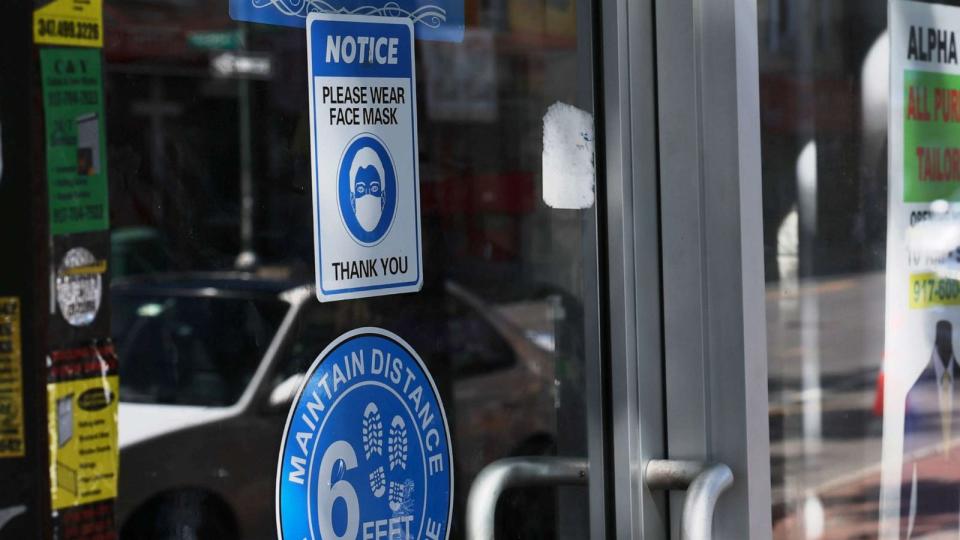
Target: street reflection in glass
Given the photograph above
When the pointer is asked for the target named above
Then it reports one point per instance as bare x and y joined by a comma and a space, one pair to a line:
214, 315
861, 271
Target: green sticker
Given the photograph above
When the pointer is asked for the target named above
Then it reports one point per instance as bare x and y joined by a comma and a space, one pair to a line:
75, 142
215, 40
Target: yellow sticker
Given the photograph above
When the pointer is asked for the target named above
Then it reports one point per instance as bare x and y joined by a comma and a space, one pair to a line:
929, 289
82, 397
98, 267
77, 23
11, 380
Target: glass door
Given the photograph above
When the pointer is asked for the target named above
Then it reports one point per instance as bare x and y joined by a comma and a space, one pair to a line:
210, 301
213, 172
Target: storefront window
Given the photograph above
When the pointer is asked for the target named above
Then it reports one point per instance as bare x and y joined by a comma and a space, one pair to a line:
212, 170
859, 239
208, 313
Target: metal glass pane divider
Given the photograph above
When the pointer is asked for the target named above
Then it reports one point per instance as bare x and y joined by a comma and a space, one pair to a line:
596, 382
710, 201
629, 181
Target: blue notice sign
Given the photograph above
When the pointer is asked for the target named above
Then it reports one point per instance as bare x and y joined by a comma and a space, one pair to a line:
366, 450
363, 142
436, 20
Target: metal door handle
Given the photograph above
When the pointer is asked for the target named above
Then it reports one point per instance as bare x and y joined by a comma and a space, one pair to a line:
507, 473
704, 484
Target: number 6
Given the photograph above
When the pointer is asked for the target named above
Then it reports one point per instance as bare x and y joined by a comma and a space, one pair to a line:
328, 492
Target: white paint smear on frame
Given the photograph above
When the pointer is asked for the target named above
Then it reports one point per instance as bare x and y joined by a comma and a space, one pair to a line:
568, 164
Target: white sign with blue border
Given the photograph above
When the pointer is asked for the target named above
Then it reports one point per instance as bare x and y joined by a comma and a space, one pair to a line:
366, 449
436, 20
363, 143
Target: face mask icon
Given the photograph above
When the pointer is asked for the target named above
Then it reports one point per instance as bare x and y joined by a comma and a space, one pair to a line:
366, 188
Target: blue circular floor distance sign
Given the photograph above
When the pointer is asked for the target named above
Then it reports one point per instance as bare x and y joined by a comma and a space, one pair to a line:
366, 450
367, 189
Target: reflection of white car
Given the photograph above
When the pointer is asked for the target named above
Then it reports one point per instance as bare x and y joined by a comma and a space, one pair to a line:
210, 363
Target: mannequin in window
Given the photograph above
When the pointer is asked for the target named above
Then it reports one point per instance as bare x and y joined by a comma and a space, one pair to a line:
930, 487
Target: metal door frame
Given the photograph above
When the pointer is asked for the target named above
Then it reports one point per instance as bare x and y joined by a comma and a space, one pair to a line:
633, 356
681, 183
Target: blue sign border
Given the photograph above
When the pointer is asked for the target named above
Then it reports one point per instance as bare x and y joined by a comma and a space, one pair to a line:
335, 346
434, 20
